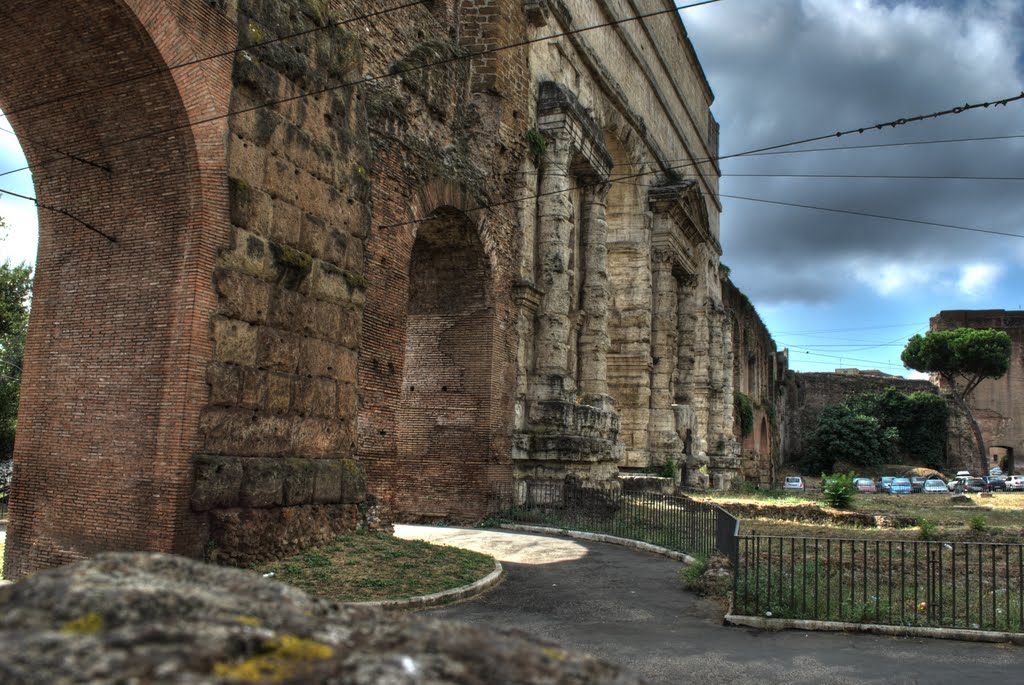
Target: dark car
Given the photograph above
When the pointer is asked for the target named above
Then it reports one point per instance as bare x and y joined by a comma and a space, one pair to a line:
975, 485
884, 484
995, 483
917, 483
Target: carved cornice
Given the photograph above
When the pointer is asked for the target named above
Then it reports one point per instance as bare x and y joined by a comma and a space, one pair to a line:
560, 111
683, 203
536, 12
527, 295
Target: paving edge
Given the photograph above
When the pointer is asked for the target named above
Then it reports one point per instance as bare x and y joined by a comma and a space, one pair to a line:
444, 597
964, 635
600, 537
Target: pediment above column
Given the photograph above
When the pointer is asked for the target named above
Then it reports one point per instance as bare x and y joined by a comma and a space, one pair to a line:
681, 221
562, 118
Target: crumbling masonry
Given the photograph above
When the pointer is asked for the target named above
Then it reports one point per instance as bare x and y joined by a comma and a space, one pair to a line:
378, 265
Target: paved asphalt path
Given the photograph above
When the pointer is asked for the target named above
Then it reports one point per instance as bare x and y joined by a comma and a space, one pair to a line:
628, 607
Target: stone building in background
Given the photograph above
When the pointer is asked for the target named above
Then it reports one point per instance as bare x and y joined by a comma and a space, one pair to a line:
308, 261
996, 404
760, 375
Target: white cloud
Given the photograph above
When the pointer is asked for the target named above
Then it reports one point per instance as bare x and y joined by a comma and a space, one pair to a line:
892, 278
977, 280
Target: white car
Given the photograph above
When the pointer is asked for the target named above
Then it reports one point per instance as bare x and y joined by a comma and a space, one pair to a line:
1015, 483
793, 483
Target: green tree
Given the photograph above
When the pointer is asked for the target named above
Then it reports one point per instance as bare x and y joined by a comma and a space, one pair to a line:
920, 419
843, 434
963, 358
15, 294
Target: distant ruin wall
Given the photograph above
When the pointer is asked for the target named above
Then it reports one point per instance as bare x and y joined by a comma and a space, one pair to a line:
809, 393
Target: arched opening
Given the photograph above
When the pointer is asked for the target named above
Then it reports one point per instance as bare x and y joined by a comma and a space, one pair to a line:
446, 425
1001, 456
131, 218
765, 441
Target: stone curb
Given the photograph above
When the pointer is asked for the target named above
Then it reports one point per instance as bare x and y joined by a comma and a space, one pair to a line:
444, 597
763, 623
600, 537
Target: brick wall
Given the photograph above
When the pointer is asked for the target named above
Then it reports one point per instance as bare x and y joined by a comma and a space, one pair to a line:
113, 372
438, 311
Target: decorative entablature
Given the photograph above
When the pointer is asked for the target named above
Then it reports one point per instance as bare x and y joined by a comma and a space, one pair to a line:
679, 228
683, 204
559, 113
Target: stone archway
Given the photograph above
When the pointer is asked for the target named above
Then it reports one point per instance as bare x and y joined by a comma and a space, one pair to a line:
134, 211
764, 440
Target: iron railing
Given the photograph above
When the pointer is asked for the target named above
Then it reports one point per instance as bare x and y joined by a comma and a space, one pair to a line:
3, 508
968, 585
675, 522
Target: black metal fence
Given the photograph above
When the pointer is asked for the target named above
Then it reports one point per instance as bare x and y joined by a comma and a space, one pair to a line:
976, 586
675, 522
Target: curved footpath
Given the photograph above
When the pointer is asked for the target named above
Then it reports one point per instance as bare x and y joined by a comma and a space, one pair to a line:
628, 607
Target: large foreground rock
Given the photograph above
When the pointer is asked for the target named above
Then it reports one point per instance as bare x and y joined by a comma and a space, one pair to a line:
151, 618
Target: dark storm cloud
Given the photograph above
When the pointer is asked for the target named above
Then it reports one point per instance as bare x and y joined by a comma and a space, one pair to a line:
787, 70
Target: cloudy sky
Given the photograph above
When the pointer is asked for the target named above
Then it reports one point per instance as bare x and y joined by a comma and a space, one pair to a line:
840, 290
843, 290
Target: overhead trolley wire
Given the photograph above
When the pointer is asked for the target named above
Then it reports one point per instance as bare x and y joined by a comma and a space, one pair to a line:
199, 60
372, 78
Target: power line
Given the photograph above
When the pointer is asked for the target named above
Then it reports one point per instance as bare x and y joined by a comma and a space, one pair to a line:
207, 58
959, 109
869, 215
58, 210
884, 145
856, 328
58, 151
881, 176
393, 73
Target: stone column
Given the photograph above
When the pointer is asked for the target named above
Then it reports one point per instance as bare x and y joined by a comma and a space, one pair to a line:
554, 235
664, 441
594, 341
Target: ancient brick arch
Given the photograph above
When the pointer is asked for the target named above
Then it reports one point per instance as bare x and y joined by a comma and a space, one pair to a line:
449, 431
114, 366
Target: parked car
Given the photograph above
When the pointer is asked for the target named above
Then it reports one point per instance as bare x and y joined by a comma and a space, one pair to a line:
884, 482
975, 485
935, 486
995, 483
793, 483
900, 486
865, 485
1015, 483
917, 483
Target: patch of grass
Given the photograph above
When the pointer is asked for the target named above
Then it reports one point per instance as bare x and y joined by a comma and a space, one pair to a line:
1003, 515
689, 575
375, 566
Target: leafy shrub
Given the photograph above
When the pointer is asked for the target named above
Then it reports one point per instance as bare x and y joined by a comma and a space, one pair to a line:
690, 574
838, 490
928, 529
669, 469
978, 523
920, 420
843, 434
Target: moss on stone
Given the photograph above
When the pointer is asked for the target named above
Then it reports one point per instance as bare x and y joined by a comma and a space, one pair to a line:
88, 624
356, 280
283, 657
294, 265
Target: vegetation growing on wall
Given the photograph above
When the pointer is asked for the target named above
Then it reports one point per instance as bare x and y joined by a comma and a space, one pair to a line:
744, 413
843, 434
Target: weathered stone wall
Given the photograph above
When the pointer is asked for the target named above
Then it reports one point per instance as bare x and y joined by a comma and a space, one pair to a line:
995, 403
394, 269
276, 471
759, 372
